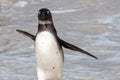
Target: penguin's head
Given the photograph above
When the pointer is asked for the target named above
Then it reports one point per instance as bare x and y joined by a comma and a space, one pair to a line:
45, 22
44, 14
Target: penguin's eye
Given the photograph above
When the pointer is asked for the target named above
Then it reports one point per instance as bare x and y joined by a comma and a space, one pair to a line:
39, 12
48, 12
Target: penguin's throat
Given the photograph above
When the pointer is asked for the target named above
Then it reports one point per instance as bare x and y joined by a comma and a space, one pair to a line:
45, 22
45, 27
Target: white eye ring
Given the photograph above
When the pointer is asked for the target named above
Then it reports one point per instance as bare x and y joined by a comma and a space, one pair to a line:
48, 12
39, 12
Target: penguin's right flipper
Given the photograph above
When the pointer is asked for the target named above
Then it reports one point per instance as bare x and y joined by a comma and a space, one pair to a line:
26, 34
75, 48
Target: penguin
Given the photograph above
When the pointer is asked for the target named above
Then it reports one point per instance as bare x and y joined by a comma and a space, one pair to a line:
49, 47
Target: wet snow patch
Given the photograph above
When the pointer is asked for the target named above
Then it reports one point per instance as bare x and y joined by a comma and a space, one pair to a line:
21, 4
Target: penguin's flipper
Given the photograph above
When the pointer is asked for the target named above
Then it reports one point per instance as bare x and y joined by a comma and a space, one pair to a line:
26, 34
75, 48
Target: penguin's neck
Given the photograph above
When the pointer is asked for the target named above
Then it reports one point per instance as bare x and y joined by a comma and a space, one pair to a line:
47, 27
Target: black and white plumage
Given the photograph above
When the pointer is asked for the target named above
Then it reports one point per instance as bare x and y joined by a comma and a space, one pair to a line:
48, 47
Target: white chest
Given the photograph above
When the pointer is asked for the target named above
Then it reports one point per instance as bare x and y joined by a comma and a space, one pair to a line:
45, 41
49, 57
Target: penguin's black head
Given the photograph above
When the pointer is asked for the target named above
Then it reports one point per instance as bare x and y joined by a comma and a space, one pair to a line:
45, 22
44, 14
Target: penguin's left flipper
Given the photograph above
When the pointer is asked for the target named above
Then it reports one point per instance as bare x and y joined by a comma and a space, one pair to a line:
26, 34
75, 48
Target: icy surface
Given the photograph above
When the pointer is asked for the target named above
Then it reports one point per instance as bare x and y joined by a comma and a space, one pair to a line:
21, 4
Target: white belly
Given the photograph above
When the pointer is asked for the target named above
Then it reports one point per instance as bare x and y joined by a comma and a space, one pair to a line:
49, 57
